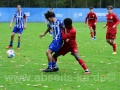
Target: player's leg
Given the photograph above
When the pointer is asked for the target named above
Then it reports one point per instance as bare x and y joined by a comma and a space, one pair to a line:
54, 65
12, 38
63, 51
81, 62
19, 39
20, 30
94, 29
49, 57
113, 45
54, 47
110, 38
91, 32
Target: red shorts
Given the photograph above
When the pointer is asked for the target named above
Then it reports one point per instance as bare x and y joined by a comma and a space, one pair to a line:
65, 49
92, 26
111, 33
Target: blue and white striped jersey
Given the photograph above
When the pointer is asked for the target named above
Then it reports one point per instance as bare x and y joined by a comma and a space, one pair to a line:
56, 29
19, 19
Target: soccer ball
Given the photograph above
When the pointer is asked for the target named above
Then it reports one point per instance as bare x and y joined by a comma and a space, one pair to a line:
10, 53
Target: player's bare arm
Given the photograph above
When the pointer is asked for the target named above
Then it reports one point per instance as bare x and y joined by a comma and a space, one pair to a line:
104, 26
86, 22
48, 29
11, 23
25, 23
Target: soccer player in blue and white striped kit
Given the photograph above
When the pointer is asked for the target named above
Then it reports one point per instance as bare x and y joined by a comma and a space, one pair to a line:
20, 24
56, 26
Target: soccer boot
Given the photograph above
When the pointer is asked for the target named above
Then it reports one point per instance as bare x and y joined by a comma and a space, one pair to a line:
87, 72
8, 47
18, 48
114, 53
55, 69
48, 70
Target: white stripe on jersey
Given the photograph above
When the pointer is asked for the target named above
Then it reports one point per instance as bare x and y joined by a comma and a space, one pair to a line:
19, 19
57, 31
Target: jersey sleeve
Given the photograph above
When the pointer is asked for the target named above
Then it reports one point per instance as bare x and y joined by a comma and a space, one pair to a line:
14, 15
86, 18
116, 18
48, 25
68, 35
118, 22
95, 18
24, 16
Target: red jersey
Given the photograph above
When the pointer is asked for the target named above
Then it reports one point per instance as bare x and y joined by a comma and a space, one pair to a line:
91, 18
117, 23
112, 20
71, 35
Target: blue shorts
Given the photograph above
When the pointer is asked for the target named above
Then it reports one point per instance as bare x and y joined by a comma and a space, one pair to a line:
17, 30
55, 45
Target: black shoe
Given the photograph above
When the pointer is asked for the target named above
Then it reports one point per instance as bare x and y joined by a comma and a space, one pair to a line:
55, 69
48, 70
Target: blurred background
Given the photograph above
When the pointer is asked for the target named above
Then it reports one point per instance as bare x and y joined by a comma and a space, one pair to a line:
61, 3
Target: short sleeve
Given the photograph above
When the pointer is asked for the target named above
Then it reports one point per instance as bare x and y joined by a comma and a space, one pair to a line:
24, 16
14, 16
48, 25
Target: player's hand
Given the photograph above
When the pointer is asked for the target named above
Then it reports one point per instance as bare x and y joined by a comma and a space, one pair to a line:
114, 26
104, 26
94, 23
67, 40
10, 26
25, 27
42, 35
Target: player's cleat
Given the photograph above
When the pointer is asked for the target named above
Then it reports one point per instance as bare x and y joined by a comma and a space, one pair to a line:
8, 47
94, 37
114, 53
55, 69
18, 48
87, 72
48, 70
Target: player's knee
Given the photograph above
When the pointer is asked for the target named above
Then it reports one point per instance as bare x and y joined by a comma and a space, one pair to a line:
48, 52
76, 56
19, 36
12, 35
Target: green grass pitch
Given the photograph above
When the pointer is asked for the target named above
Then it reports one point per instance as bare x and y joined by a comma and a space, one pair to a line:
23, 72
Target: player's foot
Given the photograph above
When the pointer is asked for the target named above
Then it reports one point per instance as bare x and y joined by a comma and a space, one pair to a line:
87, 72
18, 48
55, 69
8, 47
48, 70
114, 53
94, 37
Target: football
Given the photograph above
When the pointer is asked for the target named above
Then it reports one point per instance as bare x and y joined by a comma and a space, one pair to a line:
10, 53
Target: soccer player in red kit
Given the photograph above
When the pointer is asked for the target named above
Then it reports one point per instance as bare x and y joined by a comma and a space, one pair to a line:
70, 45
112, 22
92, 20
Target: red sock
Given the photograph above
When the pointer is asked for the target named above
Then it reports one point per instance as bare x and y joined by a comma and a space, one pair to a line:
114, 47
92, 34
81, 62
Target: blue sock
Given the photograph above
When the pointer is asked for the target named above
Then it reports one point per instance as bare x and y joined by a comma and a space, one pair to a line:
54, 64
11, 42
50, 65
18, 44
